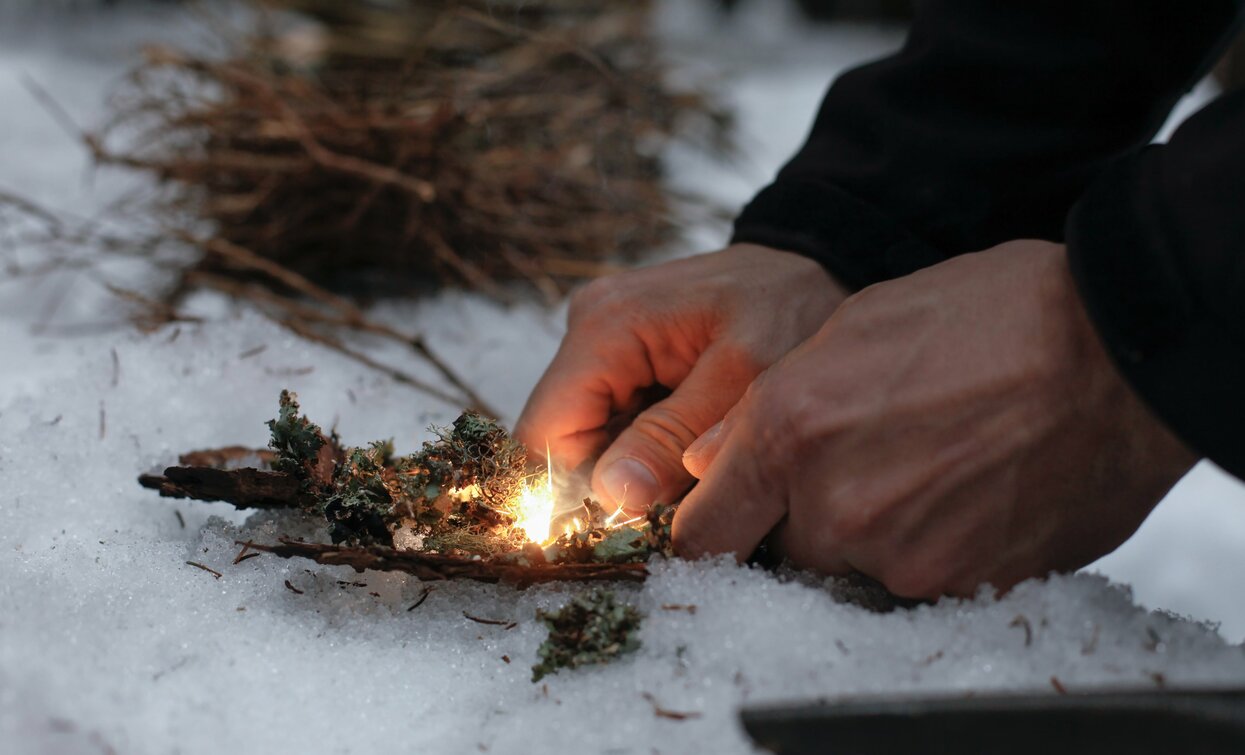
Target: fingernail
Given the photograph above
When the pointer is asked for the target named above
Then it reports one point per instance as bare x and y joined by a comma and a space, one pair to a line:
705, 439
630, 483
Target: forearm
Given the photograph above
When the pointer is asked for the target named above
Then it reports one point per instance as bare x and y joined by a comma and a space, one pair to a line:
1157, 247
987, 126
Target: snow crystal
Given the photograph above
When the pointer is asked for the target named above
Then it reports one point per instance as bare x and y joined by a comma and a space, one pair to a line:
110, 636
111, 641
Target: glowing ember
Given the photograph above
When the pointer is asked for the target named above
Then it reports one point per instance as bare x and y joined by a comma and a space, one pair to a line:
535, 509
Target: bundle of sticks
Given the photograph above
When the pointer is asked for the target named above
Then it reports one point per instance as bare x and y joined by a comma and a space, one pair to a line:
224, 475
334, 152
393, 144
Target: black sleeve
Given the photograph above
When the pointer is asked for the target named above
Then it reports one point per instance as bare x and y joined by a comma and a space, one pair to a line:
986, 127
991, 123
1157, 247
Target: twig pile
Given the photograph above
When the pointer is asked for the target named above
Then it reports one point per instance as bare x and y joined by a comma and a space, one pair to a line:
452, 510
458, 141
391, 148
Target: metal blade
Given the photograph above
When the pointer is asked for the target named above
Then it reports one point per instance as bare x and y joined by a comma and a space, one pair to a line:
1209, 722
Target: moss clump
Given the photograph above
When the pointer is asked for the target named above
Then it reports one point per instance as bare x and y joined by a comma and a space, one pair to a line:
459, 490
482, 454
295, 439
361, 505
599, 541
453, 495
456, 495
616, 545
592, 628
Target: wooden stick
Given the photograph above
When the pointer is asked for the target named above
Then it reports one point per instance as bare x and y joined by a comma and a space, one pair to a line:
431, 566
244, 488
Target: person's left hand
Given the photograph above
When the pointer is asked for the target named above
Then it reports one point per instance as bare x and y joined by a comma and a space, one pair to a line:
958, 426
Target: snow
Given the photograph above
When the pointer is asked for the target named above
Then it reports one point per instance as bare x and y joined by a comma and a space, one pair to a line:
109, 641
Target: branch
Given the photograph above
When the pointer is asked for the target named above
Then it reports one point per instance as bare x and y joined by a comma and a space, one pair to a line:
244, 488
431, 566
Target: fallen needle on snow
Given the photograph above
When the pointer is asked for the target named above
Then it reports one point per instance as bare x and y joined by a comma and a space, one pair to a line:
673, 715
207, 569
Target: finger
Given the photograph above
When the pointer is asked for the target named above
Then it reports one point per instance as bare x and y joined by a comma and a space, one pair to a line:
645, 464
702, 452
585, 383
737, 502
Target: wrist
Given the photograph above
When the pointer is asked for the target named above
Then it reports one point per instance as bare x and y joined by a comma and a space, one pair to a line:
802, 269
858, 242
1139, 427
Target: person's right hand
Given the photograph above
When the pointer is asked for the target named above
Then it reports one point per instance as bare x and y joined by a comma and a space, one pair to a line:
702, 327
960, 425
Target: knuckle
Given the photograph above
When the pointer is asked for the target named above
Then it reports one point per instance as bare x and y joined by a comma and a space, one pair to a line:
849, 306
856, 523
746, 358
583, 299
600, 295
757, 388
782, 419
862, 299
668, 430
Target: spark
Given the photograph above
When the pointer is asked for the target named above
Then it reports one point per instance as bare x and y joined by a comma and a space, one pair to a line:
536, 503
535, 510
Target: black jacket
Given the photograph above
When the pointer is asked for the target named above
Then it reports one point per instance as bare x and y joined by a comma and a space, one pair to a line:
1031, 119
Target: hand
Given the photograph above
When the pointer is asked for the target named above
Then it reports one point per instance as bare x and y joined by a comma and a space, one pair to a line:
957, 426
703, 327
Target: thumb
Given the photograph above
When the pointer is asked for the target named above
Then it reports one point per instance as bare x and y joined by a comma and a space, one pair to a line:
644, 465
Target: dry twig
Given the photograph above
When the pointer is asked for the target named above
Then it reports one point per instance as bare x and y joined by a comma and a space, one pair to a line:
431, 566
463, 142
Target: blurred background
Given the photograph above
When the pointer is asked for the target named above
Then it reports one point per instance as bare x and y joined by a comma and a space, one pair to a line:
230, 168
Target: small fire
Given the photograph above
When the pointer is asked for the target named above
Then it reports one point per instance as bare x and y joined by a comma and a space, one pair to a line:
535, 509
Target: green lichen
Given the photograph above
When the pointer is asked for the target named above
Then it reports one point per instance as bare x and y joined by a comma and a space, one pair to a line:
482, 454
599, 541
421, 480
361, 505
618, 545
295, 438
453, 495
621, 545
456, 495
592, 628
382, 452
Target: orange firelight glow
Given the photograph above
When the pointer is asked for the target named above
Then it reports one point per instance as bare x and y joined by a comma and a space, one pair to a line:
535, 509
536, 505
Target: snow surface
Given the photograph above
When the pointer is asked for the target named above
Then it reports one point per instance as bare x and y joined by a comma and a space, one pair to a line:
110, 642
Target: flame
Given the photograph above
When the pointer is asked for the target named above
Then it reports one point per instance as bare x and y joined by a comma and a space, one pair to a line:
535, 509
